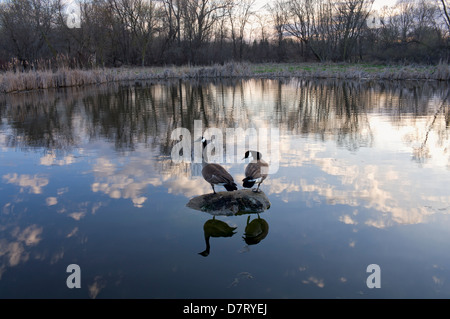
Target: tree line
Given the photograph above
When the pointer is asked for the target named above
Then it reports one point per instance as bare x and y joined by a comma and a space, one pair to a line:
48, 34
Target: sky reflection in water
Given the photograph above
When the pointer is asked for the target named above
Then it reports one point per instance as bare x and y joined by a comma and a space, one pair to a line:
87, 178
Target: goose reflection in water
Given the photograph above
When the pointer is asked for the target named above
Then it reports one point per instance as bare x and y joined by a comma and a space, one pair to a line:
215, 228
255, 231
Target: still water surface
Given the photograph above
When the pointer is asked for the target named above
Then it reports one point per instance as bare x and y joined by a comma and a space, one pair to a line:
86, 178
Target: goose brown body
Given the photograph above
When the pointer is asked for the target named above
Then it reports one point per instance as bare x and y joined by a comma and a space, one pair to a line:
215, 174
256, 171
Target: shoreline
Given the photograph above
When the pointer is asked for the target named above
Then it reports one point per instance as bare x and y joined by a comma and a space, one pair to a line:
11, 82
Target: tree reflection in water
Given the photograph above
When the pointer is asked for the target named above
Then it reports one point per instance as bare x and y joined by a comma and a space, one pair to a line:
120, 135
128, 115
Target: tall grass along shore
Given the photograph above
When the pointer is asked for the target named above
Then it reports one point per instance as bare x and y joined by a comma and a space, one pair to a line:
11, 81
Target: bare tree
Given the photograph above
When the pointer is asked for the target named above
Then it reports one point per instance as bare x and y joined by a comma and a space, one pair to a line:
221, 35
91, 42
306, 20
199, 18
278, 22
98, 23
147, 32
140, 17
239, 13
27, 25
445, 9
405, 19
173, 15
350, 17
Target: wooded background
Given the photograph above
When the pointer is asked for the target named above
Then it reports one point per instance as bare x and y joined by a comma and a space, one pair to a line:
34, 34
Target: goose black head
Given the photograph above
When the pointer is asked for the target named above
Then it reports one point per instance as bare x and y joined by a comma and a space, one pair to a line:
203, 140
256, 155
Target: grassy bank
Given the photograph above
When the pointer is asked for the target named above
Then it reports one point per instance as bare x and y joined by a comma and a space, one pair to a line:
23, 81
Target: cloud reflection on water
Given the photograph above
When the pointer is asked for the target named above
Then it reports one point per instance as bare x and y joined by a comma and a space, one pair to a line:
388, 121
381, 151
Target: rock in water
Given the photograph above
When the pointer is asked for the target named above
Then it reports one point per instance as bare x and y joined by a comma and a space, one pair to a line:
231, 203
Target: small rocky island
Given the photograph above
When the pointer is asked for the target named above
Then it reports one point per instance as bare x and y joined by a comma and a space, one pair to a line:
231, 203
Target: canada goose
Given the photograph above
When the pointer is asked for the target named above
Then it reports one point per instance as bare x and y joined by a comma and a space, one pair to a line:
215, 228
215, 174
256, 171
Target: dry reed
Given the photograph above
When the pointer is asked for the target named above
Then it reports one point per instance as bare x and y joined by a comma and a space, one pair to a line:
14, 81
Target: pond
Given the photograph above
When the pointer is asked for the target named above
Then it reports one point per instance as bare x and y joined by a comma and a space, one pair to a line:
360, 175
